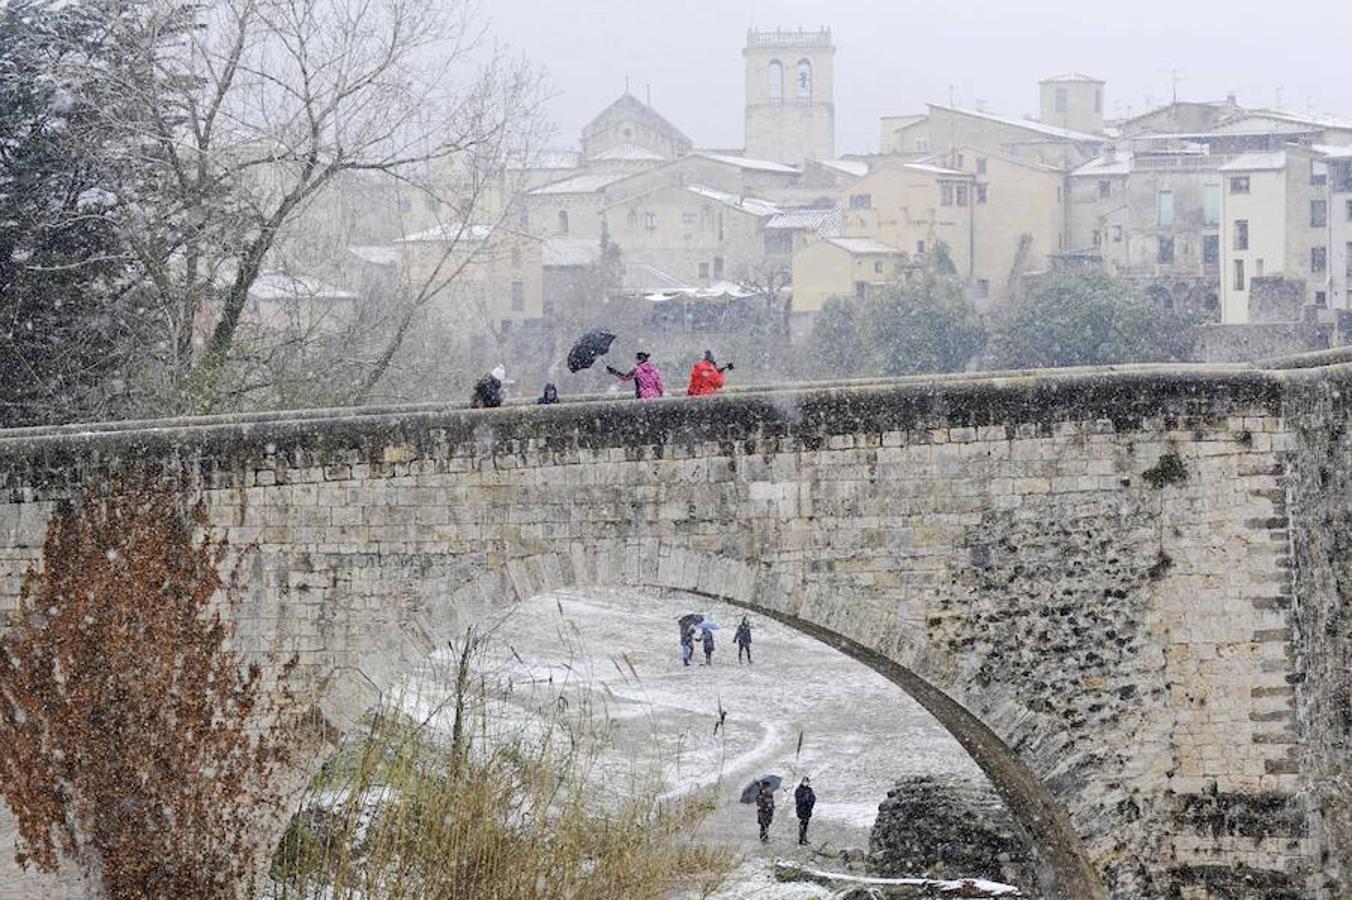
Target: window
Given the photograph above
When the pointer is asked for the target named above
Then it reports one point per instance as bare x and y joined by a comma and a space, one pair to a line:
1062, 100
1348, 252
983, 287
516, 257
1165, 254
563, 221
1319, 259
518, 296
1258, 268
1321, 300
920, 248
1117, 234
430, 204
632, 218
1349, 210
922, 145
1211, 204
405, 204
704, 271
1164, 205
1098, 238
689, 218
650, 221
878, 267
1105, 188
1319, 213
804, 79
1058, 193
962, 194
945, 194
861, 201
958, 161
776, 83
1211, 249
1239, 184
860, 289
1319, 172
1241, 234
981, 165
718, 267
1239, 275
981, 193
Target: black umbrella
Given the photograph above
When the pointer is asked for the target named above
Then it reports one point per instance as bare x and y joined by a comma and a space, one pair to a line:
751, 790
591, 345
688, 621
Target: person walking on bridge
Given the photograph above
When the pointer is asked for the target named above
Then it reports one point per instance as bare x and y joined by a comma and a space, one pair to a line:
743, 641
707, 376
803, 800
647, 380
488, 390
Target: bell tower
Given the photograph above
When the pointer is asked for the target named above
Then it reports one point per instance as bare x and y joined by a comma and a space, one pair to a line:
790, 104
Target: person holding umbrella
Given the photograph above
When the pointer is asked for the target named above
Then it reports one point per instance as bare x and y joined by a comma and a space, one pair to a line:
708, 643
488, 390
803, 800
647, 380
687, 645
707, 376
765, 811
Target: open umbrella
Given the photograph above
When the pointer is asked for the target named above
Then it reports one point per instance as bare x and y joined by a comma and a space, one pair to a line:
751, 790
708, 626
591, 345
688, 621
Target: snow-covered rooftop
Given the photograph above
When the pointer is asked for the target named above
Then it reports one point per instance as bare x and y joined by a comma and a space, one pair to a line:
819, 219
548, 159
1331, 152
580, 184
932, 169
643, 278
1307, 120
282, 286
1255, 162
855, 167
1073, 76
752, 205
1064, 134
860, 246
449, 231
745, 162
628, 153
1120, 164
376, 255
570, 252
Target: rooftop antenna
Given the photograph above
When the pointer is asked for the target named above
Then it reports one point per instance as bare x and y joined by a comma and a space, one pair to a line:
648, 92
626, 84
1175, 79
952, 94
1279, 91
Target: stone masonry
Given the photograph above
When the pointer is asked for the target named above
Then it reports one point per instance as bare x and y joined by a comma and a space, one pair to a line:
1124, 592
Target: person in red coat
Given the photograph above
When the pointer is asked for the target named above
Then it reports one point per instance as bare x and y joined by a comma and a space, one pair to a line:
707, 376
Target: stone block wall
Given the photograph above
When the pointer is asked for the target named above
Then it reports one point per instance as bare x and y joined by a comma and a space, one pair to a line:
1086, 576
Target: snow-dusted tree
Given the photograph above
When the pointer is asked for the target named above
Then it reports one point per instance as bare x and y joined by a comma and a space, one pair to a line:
63, 307
227, 120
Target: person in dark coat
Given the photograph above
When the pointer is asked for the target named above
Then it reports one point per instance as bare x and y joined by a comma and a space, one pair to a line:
803, 800
765, 811
550, 395
488, 390
687, 645
743, 641
708, 647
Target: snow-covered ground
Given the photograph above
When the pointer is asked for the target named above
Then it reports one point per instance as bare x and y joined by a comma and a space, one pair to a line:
801, 709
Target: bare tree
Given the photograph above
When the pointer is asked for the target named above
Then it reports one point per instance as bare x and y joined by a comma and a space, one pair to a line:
233, 117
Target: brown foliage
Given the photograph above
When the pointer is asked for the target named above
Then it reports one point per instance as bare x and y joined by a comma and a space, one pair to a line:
133, 741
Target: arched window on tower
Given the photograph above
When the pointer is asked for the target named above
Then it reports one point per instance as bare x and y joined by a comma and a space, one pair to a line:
804, 79
776, 82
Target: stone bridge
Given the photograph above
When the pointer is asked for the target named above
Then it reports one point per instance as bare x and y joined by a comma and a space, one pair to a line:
1124, 592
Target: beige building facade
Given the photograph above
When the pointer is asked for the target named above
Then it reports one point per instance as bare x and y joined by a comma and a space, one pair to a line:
499, 277
913, 207
842, 267
1072, 101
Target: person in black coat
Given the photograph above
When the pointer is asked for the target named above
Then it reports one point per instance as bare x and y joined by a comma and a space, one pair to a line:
803, 801
708, 647
765, 811
488, 390
550, 395
743, 641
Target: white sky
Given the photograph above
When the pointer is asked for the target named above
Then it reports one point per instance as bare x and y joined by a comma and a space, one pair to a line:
893, 55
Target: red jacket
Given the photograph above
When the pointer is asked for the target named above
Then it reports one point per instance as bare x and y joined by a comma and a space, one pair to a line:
704, 379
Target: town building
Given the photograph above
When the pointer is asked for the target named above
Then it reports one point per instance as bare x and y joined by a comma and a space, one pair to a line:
841, 267
476, 277
912, 207
790, 104
1338, 170
1073, 102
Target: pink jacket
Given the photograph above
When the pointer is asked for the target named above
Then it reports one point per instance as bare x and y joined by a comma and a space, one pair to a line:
647, 381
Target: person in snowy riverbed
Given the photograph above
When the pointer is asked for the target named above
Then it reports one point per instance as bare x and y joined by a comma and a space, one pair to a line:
743, 641
488, 390
687, 645
707, 376
708, 647
765, 811
647, 380
803, 800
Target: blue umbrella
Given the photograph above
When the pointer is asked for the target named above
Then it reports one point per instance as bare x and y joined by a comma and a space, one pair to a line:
709, 626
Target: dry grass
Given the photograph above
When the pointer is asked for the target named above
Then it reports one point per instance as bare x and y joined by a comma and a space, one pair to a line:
471, 798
